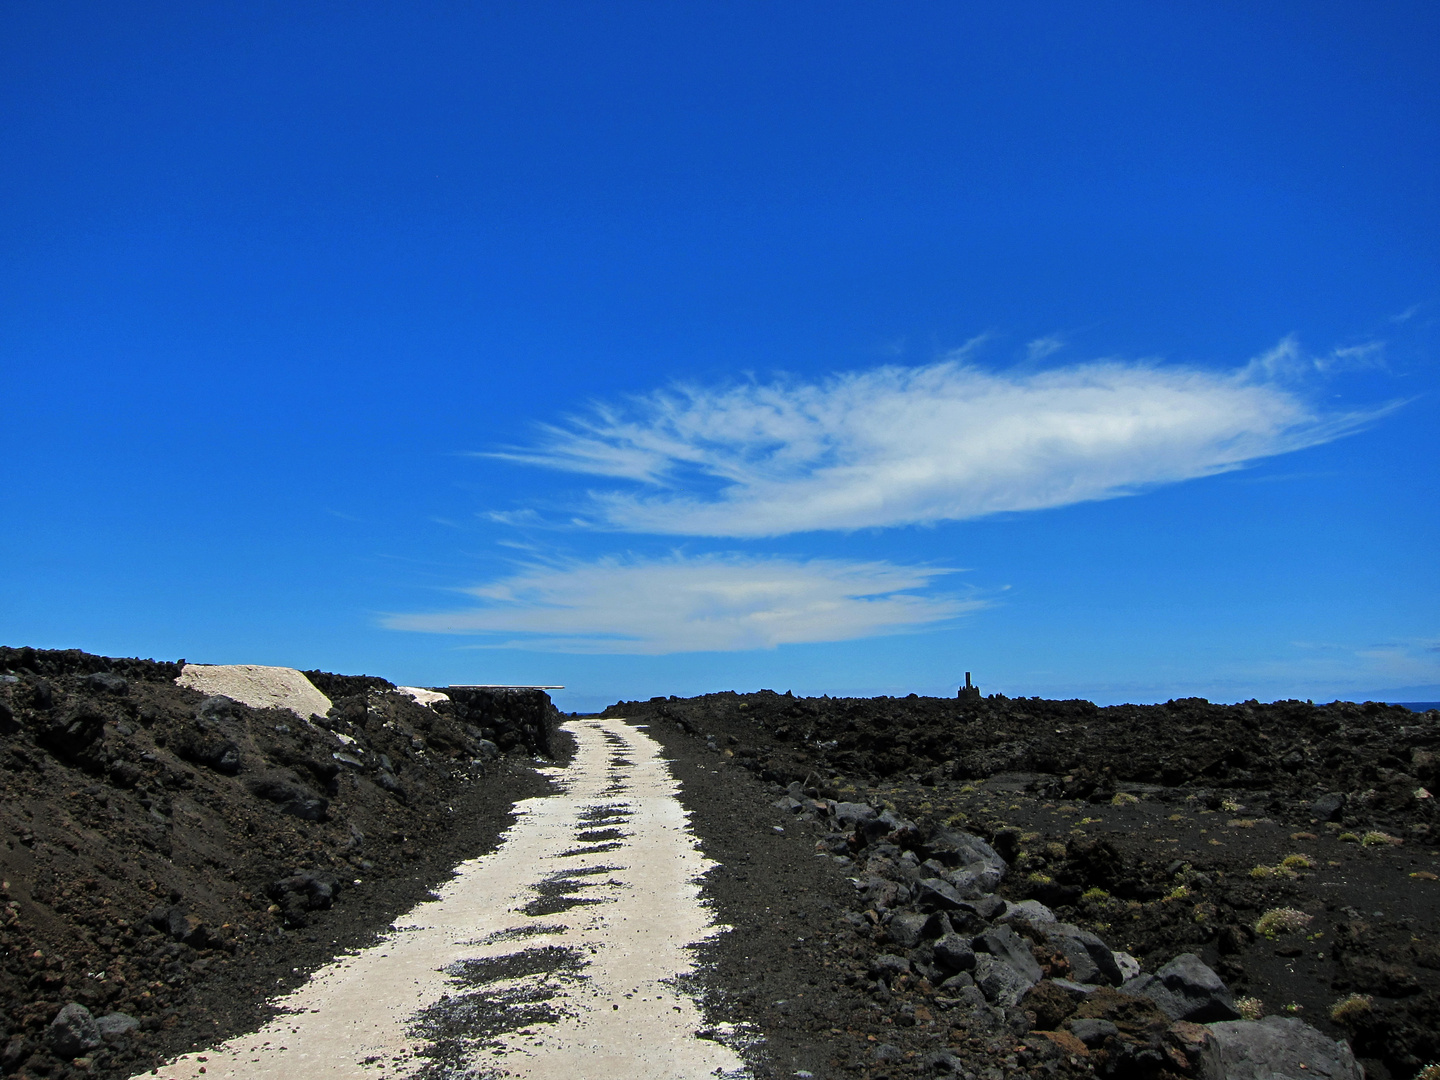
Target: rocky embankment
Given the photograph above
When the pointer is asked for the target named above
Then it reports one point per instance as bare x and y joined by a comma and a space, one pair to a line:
170, 860
1041, 888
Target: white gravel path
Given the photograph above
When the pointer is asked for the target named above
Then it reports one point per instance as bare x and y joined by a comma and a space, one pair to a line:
584, 993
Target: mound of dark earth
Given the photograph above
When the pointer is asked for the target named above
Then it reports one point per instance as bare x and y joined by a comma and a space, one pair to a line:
171, 860
1288, 850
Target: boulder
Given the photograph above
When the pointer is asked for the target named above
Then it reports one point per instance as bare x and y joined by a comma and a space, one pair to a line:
1185, 989
1090, 959
1328, 807
1275, 1048
302, 893
878, 892
182, 926
954, 953
1032, 911
291, 797
107, 682
848, 815
73, 1032
887, 1054
1010, 948
987, 908
876, 828
908, 928
217, 705
1128, 965
974, 881
964, 850
936, 894
942, 1061
1001, 984
116, 1024
207, 748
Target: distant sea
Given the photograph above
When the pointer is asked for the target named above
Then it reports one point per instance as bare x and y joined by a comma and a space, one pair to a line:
1416, 706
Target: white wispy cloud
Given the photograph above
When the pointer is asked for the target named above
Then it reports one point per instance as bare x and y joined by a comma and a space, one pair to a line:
1041, 347
695, 603
1287, 362
915, 445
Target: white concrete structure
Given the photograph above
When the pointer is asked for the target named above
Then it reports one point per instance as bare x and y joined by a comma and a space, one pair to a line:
257, 686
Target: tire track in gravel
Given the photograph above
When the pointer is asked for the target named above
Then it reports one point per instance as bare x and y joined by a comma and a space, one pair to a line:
560, 954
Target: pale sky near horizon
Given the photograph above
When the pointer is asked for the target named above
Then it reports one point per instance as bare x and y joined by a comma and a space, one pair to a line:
653, 349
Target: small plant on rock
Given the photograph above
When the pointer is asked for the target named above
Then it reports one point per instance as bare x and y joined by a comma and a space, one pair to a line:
1351, 1009
1122, 798
1282, 920
1429, 1072
1297, 862
1250, 1008
1264, 873
1348, 838
1375, 838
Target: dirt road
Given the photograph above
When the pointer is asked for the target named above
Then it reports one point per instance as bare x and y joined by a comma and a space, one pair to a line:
556, 955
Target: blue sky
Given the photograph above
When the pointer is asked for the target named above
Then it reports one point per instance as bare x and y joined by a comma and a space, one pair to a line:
668, 348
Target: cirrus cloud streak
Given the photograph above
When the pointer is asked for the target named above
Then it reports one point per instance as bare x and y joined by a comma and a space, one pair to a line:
918, 445
695, 603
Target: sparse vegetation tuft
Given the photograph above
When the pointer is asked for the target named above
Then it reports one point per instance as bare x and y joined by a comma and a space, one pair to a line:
1375, 838
1352, 1008
1250, 1008
1279, 921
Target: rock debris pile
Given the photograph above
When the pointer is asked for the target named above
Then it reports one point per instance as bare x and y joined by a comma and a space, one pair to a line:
1014, 966
169, 860
1027, 887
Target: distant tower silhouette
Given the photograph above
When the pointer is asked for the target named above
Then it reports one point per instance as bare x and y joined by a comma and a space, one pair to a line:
968, 692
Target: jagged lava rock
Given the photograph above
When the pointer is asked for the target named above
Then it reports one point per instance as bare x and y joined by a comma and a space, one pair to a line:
1275, 1048
1186, 989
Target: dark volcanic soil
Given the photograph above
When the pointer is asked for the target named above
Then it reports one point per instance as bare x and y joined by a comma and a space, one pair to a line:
179, 859
1163, 829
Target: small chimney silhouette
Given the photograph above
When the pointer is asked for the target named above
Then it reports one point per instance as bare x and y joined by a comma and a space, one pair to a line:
968, 692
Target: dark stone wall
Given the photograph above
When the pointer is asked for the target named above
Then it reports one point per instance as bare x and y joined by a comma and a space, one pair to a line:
508, 718
52, 663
